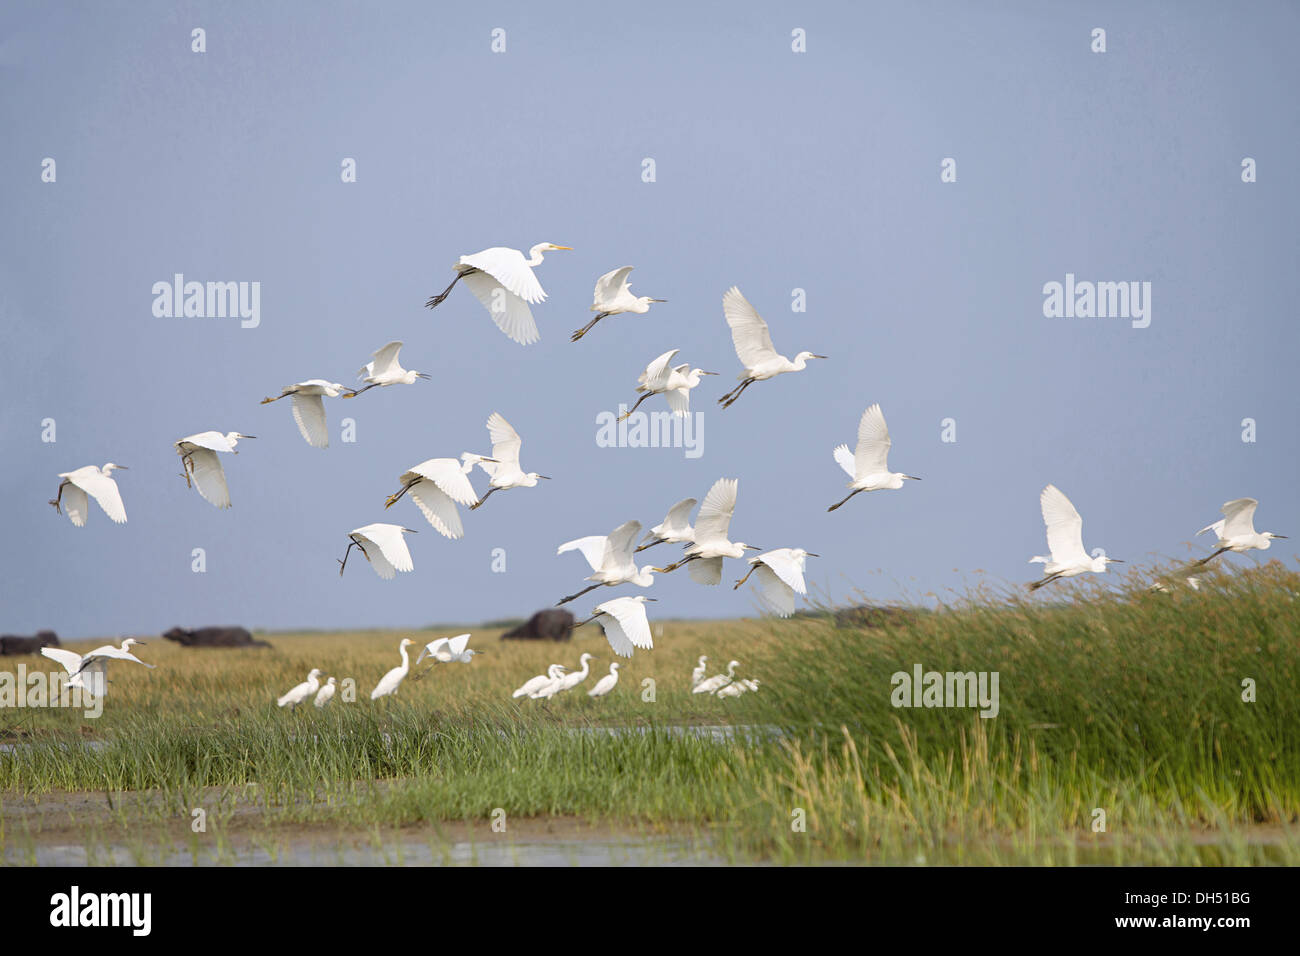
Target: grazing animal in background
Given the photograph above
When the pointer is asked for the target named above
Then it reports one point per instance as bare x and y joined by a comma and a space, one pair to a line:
11, 645
301, 692
390, 682
606, 683
96, 483
213, 637
503, 281
548, 624
325, 694
1065, 541
1236, 530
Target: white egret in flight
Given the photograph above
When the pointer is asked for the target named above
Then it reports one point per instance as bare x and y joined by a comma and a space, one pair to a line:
754, 346
567, 681
674, 383
717, 680
384, 369
625, 624
780, 577
534, 684
202, 466
1065, 541
606, 683
610, 557
503, 466
868, 465
383, 546
96, 483
613, 297
389, 683
701, 668
437, 486
1236, 529
309, 409
448, 650
712, 524
503, 281
326, 693
90, 671
674, 529
302, 691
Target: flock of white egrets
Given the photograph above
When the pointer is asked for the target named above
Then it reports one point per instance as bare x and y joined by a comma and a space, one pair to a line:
503, 280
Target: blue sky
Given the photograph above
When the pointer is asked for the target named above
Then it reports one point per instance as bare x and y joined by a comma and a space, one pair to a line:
775, 170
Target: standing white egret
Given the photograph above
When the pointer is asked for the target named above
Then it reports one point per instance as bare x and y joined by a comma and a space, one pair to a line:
448, 650
624, 622
606, 683
780, 577
301, 691
326, 693
534, 684
754, 346
701, 668
610, 557
437, 486
98, 483
89, 671
542, 690
309, 409
389, 683
613, 297
503, 466
717, 680
567, 681
202, 466
1065, 541
712, 525
868, 465
384, 369
503, 281
674, 383
383, 546
1236, 529
674, 529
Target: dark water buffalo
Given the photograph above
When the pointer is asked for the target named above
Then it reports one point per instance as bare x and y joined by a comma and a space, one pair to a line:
551, 624
213, 637
11, 645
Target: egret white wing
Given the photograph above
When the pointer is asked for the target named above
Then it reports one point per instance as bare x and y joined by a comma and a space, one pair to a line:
385, 360
211, 440
785, 566
1239, 517
705, 570
620, 543
749, 332
508, 311
679, 515
458, 643
75, 504
209, 477
386, 549
656, 374
776, 593
431, 649
309, 413
871, 457
509, 268
1064, 527
592, 548
438, 508
506, 442
846, 460
610, 285
70, 661
104, 490
679, 401
446, 473
714, 520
